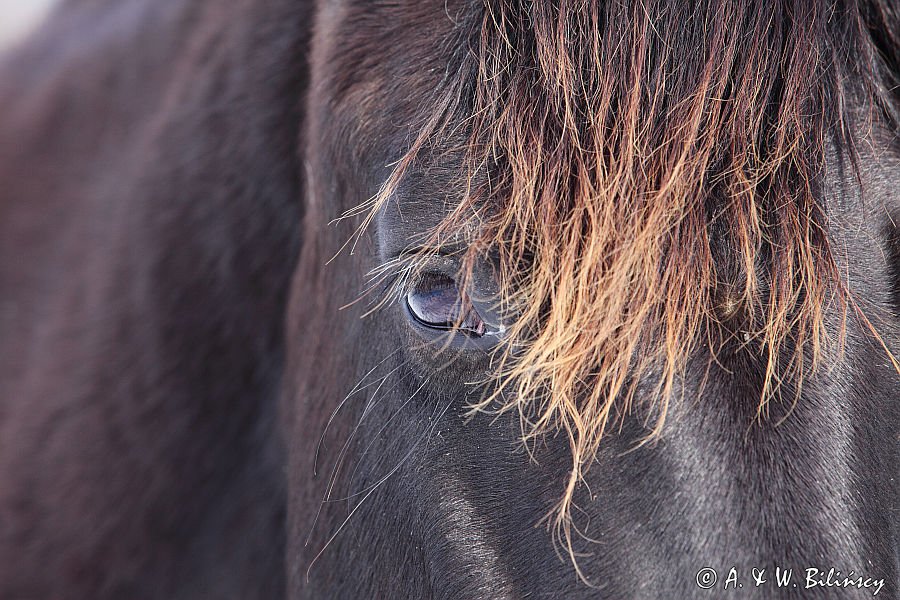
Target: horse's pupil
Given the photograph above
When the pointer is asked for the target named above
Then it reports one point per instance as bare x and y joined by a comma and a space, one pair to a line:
436, 302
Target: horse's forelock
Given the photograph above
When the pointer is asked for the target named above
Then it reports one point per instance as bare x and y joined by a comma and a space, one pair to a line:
654, 176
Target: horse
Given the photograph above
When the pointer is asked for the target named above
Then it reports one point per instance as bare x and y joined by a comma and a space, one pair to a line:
458, 299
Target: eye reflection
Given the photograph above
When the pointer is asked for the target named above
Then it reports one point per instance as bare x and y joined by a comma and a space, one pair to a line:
436, 302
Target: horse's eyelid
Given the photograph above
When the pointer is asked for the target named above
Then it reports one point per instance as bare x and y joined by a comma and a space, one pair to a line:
425, 251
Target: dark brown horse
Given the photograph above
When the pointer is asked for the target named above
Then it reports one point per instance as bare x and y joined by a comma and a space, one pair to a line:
463, 299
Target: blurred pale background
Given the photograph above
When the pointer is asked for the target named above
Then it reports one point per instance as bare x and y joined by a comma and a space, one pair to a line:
18, 17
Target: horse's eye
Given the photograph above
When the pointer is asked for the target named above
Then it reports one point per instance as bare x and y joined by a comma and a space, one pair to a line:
436, 302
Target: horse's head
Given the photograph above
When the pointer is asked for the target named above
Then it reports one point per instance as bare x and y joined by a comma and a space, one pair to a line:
624, 271
593, 299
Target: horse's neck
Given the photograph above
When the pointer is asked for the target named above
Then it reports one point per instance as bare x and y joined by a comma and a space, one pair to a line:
149, 218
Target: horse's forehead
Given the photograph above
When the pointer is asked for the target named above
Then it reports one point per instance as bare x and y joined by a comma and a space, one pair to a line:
379, 64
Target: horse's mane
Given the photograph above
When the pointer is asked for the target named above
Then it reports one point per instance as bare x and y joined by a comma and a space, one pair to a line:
654, 186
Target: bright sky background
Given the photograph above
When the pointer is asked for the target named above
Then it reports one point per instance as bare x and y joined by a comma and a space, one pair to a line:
18, 17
